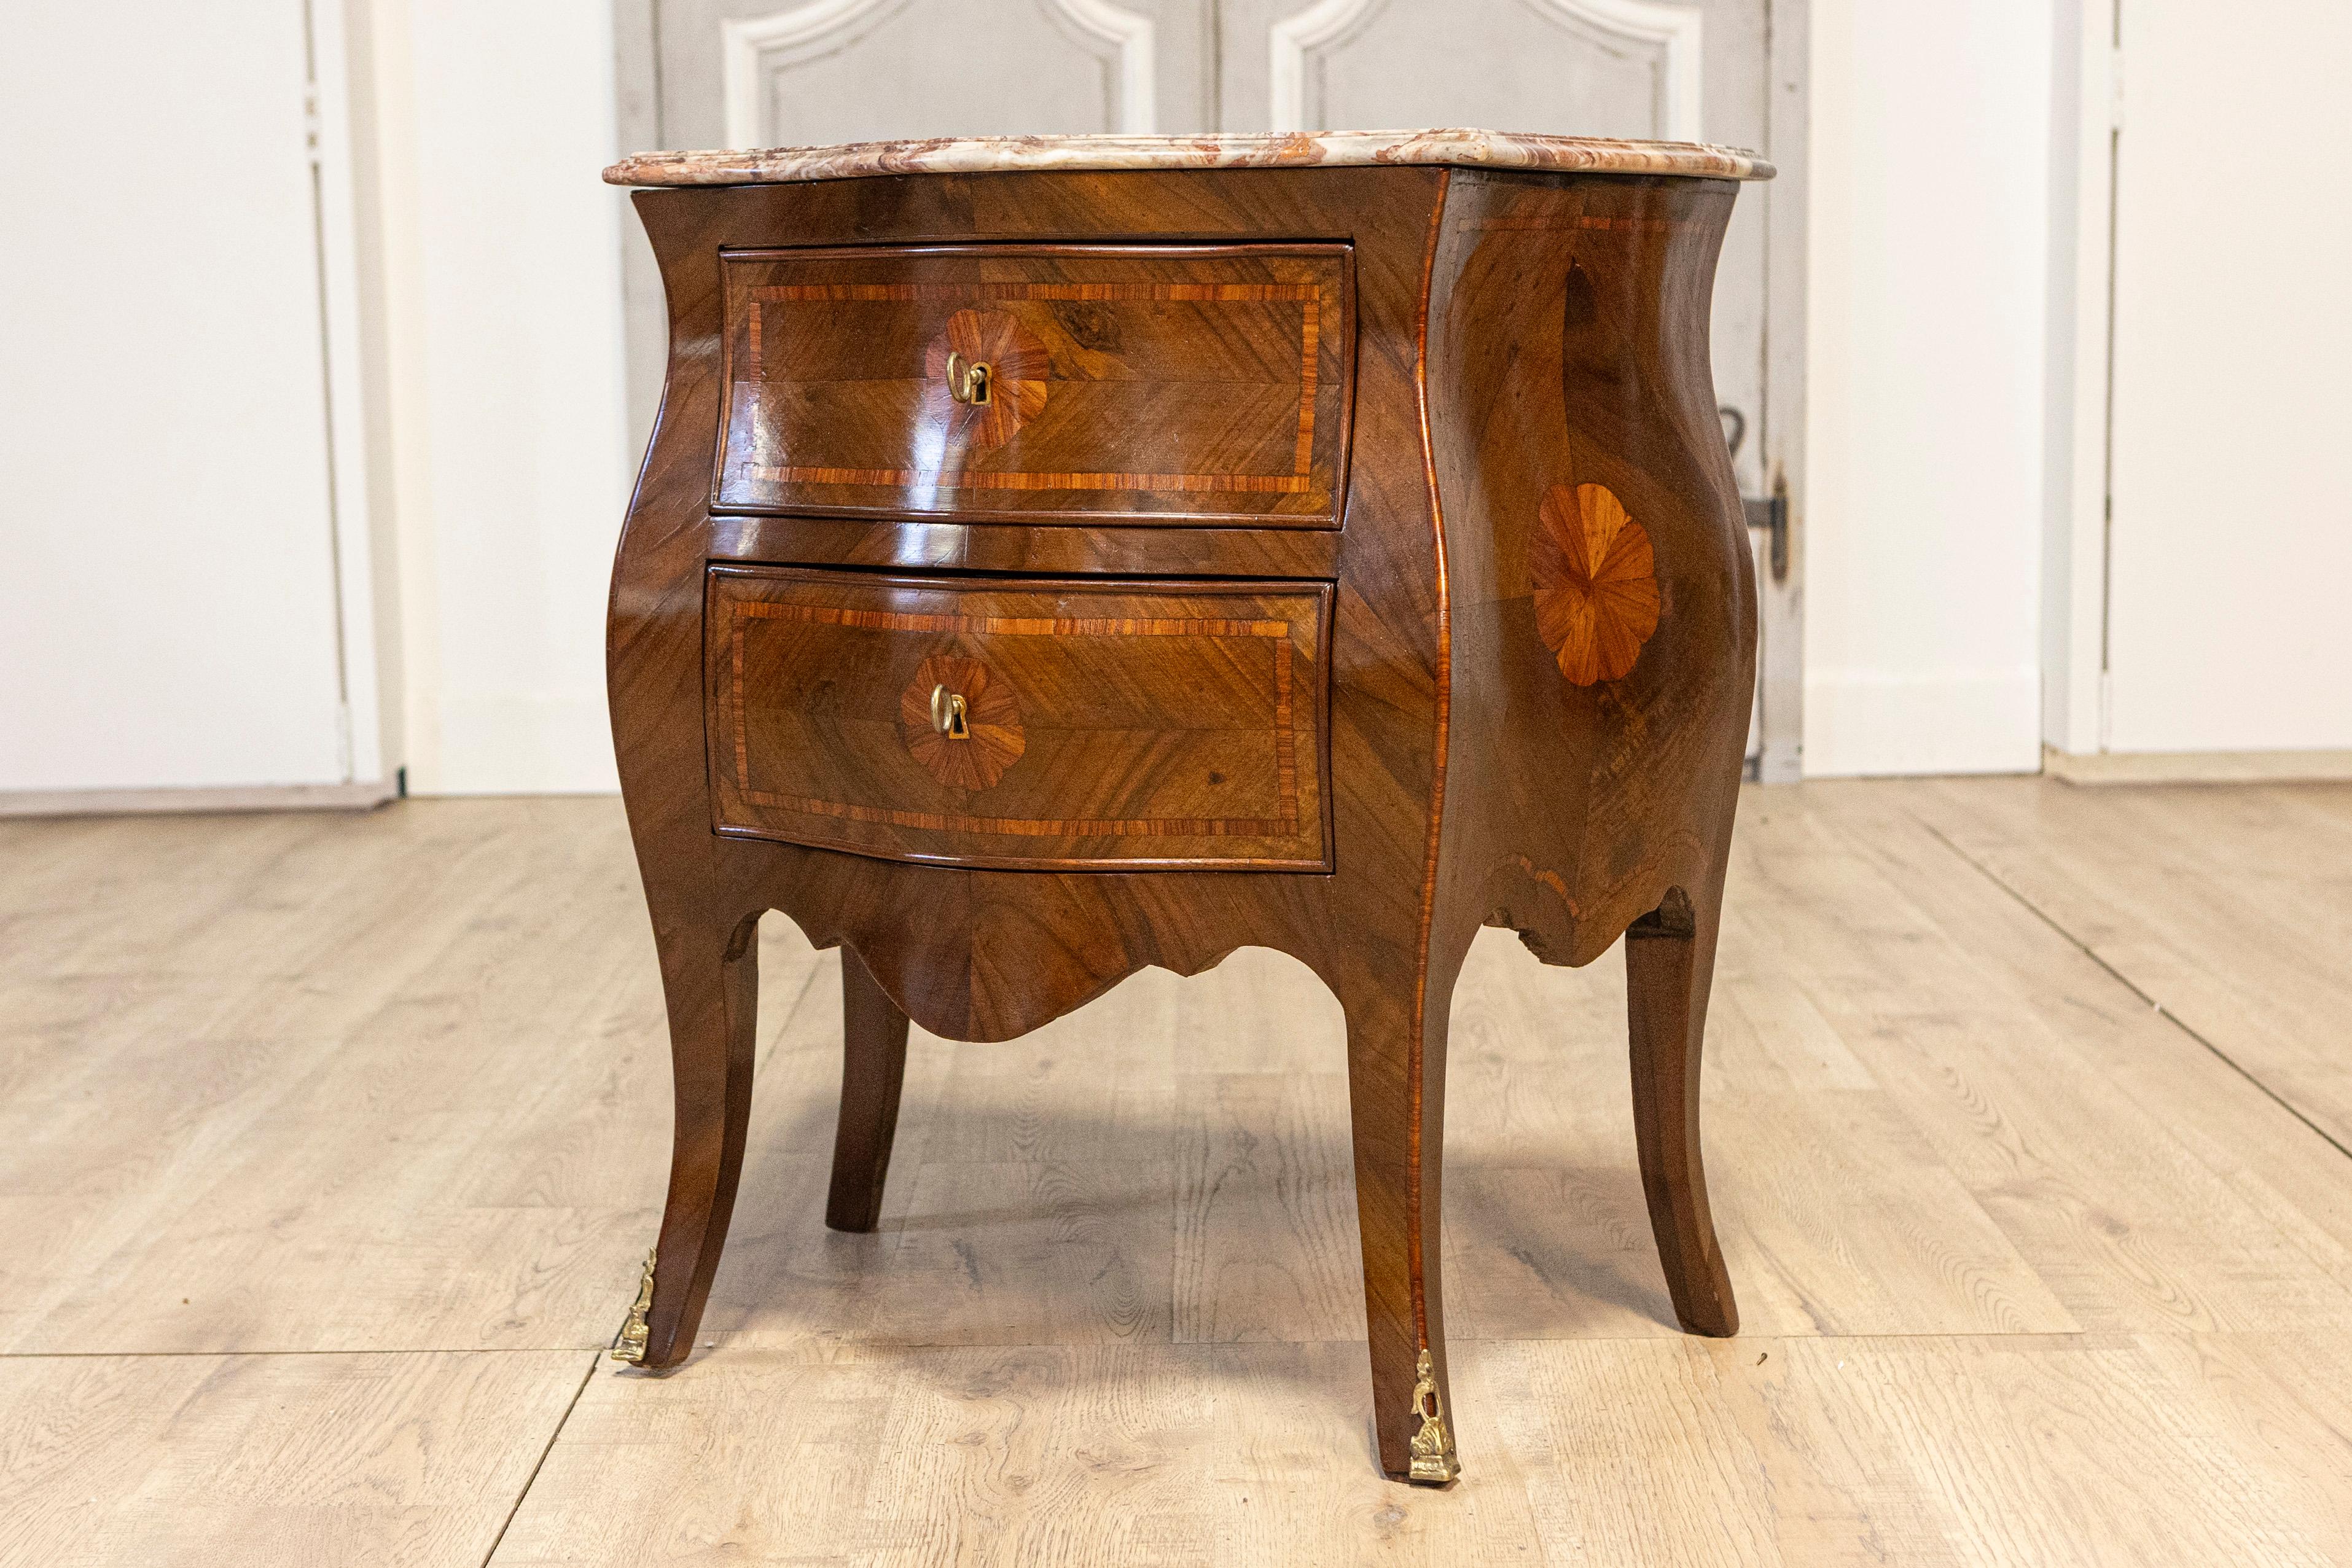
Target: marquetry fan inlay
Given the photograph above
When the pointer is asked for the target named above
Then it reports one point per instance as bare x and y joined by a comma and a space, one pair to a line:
995, 743
1017, 364
1596, 583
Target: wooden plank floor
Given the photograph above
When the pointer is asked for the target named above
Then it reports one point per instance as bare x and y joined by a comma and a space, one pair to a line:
329, 1148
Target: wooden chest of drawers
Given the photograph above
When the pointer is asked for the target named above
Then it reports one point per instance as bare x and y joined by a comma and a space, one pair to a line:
1059, 557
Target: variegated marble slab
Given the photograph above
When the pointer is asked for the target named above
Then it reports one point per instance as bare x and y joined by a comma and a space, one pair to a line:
939, 155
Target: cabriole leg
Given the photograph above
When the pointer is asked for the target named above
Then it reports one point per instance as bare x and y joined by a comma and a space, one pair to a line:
710, 977
1669, 967
873, 1071
1396, 1102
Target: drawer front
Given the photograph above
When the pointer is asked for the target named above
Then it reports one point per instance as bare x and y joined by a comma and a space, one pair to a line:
1100, 726
1173, 383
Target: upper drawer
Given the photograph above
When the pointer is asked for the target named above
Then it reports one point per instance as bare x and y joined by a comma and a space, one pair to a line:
1173, 383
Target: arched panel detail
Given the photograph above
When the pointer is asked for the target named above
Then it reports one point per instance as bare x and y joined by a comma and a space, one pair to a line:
1679, 29
753, 49
1293, 41
1128, 36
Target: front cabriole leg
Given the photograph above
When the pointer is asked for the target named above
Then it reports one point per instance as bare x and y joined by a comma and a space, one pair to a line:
1396, 1102
710, 978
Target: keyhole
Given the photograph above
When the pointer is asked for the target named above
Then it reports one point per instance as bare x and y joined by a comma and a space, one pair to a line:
948, 713
969, 384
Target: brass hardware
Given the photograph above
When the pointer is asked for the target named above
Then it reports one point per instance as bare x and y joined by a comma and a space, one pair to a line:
948, 714
1434, 1463
973, 384
629, 1344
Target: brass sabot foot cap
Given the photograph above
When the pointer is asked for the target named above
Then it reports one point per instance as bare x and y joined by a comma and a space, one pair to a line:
1434, 1463
629, 1344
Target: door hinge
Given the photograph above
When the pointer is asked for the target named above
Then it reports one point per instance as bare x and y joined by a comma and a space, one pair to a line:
312, 126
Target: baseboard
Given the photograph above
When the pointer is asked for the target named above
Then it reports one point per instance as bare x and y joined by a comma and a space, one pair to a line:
229, 798
1866, 724
522, 746
2195, 767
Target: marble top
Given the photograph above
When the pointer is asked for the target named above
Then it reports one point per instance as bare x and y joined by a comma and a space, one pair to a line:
1294, 150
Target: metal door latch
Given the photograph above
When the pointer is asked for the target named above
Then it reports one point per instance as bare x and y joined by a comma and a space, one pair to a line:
1770, 513
1767, 513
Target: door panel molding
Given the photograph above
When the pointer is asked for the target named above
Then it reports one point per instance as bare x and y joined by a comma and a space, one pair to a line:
751, 49
1129, 34
754, 49
1781, 609
366, 580
1678, 31
1291, 39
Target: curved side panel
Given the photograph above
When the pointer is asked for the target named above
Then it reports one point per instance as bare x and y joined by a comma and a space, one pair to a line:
1605, 624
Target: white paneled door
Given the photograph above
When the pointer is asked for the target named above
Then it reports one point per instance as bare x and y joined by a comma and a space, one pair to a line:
172, 593
2229, 544
706, 73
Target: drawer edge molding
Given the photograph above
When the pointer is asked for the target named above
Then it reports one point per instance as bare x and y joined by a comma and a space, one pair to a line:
805, 429
872, 630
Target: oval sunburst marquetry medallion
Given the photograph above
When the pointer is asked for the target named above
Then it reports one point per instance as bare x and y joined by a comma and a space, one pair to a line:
988, 738
1016, 362
1596, 583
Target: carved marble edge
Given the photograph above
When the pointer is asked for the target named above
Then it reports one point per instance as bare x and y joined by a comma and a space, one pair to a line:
1297, 149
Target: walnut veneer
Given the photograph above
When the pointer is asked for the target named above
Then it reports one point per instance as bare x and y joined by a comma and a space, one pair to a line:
1132, 383
1111, 724
1042, 574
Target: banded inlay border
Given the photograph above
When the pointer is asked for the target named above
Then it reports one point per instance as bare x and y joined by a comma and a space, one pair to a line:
1308, 296
1554, 223
1285, 747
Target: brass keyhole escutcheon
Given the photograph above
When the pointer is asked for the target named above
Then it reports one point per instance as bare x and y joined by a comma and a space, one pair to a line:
970, 382
960, 722
948, 713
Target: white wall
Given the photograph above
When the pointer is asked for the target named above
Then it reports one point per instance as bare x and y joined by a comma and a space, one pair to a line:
1926, 356
510, 454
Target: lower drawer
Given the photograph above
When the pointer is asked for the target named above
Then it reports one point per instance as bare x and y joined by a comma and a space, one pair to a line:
1041, 724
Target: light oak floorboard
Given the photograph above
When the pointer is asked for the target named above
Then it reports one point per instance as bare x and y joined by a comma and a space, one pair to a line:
400, 1089
257, 1460
1995, 1449
2028, 1272
2228, 905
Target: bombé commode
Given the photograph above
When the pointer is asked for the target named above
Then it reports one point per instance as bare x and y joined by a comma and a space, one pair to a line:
1060, 556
